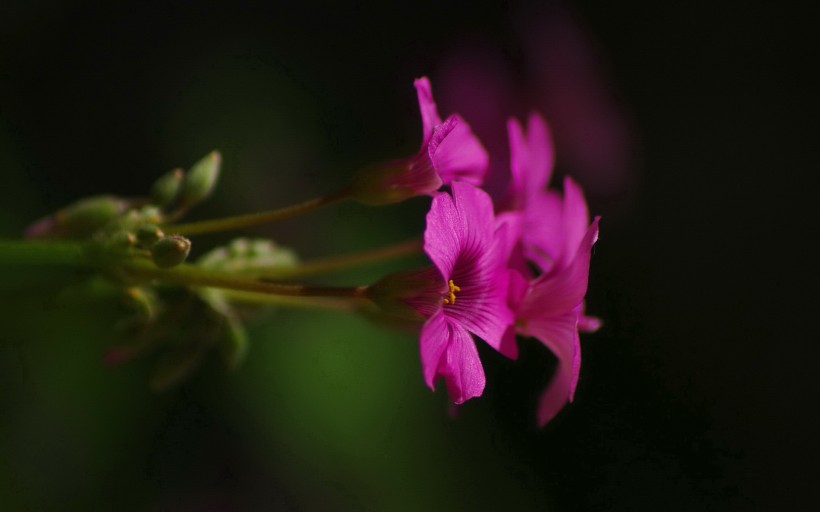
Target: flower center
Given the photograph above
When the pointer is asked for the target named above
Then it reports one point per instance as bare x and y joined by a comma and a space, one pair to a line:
451, 296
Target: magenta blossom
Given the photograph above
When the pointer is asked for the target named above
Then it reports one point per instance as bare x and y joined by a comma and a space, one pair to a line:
449, 152
459, 156
555, 235
470, 254
549, 308
552, 224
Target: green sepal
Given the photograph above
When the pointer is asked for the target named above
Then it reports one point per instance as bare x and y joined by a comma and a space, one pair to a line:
201, 179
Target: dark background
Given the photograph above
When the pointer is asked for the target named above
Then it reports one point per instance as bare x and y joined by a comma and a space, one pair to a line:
698, 394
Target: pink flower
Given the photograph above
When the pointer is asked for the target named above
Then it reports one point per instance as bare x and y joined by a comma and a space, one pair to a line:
552, 224
449, 152
470, 254
459, 156
555, 235
549, 308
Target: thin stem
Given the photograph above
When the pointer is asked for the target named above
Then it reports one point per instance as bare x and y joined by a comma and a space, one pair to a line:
324, 265
42, 252
331, 303
190, 275
254, 219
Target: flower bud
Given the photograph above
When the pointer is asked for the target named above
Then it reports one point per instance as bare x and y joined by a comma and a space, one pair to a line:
170, 251
149, 234
79, 219
201, 179
166, 188
120, 239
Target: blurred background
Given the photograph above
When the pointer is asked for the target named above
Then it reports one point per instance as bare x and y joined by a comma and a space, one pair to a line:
691, 129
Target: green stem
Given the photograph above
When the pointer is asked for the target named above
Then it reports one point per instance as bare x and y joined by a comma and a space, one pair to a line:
190, 275
335, 304
253, 219
324, 265
42, 252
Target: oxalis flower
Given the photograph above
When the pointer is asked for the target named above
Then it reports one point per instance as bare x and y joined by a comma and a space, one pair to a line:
548, 308
554, 235
449, 152
552, 223
464, 292
470, 253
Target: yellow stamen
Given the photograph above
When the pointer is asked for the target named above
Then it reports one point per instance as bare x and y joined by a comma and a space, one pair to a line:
451, 298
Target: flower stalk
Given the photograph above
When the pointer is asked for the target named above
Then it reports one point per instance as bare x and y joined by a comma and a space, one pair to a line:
42, 252
254, 219
191, 275
326, 265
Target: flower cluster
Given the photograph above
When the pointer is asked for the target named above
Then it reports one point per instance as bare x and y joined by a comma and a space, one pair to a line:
516, 266
504, 265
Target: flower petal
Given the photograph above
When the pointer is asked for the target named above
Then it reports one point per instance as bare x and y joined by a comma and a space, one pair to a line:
531, 159
486, 313
507, 232
456, 224
462, 242
542, 231
519, 161
432, 344
480, 270
508, 346
553, 294
460, 156
560, 335
451, 349
575, 218
541, 152
588, 323
429, 113
517, 289
462, 368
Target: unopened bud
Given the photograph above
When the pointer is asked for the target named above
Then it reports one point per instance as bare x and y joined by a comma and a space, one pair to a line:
121, 239
170, 251
79, 219
167, 187
149, 234
201, 179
